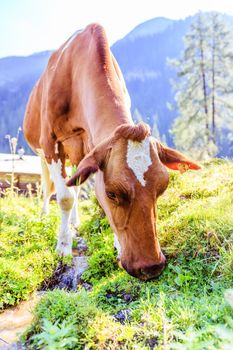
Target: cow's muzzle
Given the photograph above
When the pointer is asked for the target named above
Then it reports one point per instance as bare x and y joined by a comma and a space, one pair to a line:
147, 272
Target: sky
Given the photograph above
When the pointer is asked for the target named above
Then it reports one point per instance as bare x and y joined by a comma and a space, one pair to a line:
29, 26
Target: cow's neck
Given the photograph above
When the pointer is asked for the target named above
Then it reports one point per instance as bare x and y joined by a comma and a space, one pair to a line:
107, 115
105, 100
105, 126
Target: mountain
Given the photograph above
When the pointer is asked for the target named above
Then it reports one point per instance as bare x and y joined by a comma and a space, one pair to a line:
17, 78
151, 27
15, 68
142, 55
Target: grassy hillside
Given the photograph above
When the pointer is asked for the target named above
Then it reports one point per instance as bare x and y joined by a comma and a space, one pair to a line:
184, 308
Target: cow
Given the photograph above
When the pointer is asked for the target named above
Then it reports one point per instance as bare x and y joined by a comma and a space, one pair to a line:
80, 110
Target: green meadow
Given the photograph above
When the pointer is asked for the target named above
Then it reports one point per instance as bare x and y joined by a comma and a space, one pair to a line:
190, 306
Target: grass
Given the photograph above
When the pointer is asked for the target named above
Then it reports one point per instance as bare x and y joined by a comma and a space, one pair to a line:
27, 247
184, 308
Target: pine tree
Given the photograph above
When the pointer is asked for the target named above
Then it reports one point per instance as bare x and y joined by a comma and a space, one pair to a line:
204, 86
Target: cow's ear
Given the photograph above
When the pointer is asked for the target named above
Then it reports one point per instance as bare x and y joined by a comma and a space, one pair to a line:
86, 167
175, 160
91, 163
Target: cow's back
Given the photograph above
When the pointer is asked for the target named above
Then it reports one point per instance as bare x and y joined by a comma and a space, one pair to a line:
56, 106
81, 84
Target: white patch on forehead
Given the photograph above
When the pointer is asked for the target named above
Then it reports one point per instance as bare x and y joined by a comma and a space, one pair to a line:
138, 158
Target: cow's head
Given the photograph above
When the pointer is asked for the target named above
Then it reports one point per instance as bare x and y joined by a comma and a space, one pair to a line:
131, 175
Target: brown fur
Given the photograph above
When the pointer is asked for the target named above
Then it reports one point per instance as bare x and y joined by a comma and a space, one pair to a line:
133, 132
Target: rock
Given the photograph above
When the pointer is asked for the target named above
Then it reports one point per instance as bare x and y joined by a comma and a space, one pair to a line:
71, 276
80, 265
86, 286
127, 297
109, 295
66, 280
120, 294
81, 245
152, 342
122, 315
67, 277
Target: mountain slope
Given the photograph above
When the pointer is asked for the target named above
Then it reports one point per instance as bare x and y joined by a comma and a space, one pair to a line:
15, 68
17, 78
151, 27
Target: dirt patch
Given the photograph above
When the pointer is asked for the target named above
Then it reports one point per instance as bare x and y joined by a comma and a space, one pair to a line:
15, 320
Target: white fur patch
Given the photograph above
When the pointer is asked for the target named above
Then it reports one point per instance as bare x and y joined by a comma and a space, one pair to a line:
55, 169
65, 198
75, 220
138, 158
117, 246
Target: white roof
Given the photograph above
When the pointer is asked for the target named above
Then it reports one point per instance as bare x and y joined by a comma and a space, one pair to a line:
27, 165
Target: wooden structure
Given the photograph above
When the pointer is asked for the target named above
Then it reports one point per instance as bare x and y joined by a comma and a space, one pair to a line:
26, 171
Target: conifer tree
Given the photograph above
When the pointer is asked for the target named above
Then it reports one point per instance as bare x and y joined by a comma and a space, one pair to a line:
204, 86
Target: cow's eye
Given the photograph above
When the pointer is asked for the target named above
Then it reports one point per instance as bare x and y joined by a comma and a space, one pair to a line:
111, 195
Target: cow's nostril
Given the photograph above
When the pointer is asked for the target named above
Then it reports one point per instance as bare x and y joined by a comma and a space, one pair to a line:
154, 270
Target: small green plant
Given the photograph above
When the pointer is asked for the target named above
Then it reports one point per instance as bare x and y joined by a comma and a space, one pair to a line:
55, 336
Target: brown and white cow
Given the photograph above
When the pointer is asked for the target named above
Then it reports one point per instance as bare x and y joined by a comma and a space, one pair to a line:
80, 110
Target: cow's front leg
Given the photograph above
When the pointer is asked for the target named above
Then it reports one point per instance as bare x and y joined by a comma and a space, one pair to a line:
47, 185
65, 199
75, 221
